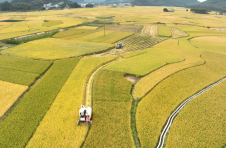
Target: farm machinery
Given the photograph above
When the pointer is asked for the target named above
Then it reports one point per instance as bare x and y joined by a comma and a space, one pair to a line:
119, 46
85, 115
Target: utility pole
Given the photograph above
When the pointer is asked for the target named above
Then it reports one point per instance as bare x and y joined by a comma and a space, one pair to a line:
104, 29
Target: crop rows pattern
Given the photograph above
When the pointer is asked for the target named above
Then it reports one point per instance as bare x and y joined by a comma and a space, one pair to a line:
139, 42
123, 28
150, 29
176, 33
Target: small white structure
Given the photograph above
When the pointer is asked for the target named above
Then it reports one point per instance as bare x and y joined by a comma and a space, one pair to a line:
51, 6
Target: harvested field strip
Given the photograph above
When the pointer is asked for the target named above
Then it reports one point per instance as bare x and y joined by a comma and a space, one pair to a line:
150, 29
24, 64
17, 26
111, 111
138, 65
74, 31
168, 94
19, 126
52, 48
50, 23
176, 33
61, 119
148, 82
179, 108
17, 77
164, 31
208, 110
9, 93
139, 42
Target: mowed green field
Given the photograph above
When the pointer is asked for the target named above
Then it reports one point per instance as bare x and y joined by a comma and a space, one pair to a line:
55, 49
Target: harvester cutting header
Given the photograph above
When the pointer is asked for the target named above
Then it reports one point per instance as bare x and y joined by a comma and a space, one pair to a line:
85, 115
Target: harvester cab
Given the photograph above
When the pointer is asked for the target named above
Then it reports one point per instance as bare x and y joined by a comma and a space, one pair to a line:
85, 115
119, 46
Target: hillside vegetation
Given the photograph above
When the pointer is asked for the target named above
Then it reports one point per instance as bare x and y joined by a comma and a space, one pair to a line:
218, 5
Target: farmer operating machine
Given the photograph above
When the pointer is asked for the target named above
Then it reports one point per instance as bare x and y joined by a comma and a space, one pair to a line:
85, 115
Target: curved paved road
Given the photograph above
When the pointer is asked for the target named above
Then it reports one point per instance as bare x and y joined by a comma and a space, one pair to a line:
179, 108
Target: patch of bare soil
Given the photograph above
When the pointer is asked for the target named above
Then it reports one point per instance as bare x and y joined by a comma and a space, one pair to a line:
132, 79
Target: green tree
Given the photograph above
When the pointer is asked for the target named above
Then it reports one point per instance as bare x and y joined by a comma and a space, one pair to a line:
5, 6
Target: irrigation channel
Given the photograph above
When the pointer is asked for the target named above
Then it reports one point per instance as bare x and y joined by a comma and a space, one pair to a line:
179, 108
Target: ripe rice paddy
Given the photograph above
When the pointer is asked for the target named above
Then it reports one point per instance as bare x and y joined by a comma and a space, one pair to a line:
63, 112
204, 118
18, 127
9, 93
49, 23
173, 70
162, 100
55, 49
148, 82
106, 122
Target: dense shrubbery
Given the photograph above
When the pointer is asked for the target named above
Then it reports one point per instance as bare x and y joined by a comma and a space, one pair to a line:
200, 10
30, 38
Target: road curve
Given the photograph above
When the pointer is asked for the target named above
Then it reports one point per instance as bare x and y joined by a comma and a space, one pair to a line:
178, 109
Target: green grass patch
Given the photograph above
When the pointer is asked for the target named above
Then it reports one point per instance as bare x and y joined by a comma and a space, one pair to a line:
165, 55
24, 64
49, 23
19, 126
132, 54
30, 38
12, 20
156, 107
18, 77
73, 31
111, 111
164, 31
112, 37
51, 48
139, 65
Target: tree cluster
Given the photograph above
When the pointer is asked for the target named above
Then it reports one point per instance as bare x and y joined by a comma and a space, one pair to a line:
29, 5
199, 10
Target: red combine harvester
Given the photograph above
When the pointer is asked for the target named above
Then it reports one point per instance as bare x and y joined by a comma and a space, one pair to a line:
85, 115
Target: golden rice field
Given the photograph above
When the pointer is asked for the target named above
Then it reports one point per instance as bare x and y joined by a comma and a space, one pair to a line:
165, 58
9, 93
167, 95
148, 82
59, 123
204, 119
16, 27
51, 48
210, 43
